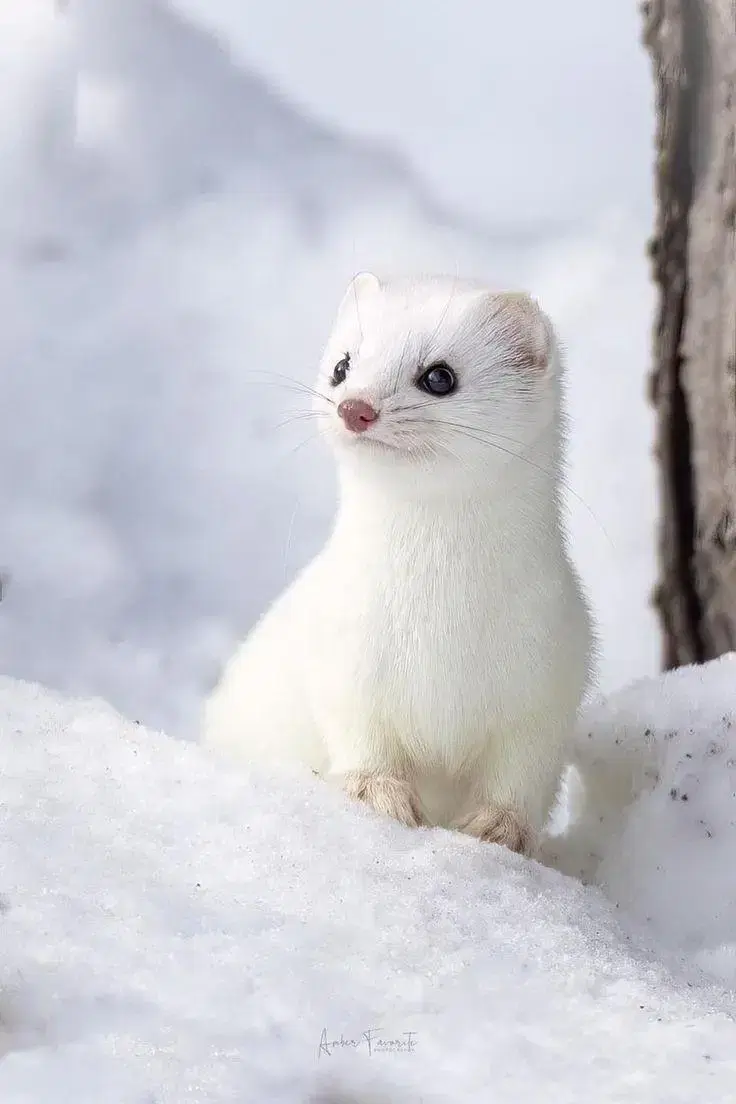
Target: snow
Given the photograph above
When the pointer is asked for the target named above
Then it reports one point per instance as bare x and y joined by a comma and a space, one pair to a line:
659, 831
175, 930
171, 247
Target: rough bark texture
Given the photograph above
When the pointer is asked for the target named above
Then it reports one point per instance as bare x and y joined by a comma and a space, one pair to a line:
693, 48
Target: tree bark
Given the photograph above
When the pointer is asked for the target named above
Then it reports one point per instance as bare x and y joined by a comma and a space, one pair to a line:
692, 44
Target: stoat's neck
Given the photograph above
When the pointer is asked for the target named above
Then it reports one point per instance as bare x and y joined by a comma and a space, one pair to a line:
521, 495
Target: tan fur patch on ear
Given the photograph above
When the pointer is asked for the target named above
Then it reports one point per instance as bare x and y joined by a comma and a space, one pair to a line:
527, 326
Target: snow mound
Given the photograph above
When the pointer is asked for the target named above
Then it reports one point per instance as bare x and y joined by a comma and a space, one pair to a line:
175, 930
657, 828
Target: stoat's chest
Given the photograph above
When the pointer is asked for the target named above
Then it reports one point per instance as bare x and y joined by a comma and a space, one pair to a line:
433, 633
452, 578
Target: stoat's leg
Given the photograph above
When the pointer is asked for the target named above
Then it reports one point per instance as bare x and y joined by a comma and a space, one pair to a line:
368, 763
386, 793
515, 790
498, 824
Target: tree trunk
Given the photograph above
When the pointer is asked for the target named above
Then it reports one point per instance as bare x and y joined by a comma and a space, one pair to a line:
692, 44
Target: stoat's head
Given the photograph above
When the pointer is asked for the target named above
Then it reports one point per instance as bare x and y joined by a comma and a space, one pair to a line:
437, 377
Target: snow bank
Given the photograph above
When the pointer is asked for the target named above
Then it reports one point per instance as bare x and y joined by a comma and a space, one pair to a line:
657, 829
173, 930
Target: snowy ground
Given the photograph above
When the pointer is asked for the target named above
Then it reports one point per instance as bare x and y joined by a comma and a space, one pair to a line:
173, 241
176, 931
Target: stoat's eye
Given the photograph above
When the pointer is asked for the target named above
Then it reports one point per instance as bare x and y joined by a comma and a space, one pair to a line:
340, 371
438, 379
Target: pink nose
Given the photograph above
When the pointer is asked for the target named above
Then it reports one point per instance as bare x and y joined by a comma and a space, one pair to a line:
357, 414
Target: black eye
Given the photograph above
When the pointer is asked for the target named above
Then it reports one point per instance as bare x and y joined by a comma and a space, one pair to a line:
340, 371
438, 380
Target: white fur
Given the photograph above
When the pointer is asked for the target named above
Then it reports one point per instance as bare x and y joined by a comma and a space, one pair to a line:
441, 635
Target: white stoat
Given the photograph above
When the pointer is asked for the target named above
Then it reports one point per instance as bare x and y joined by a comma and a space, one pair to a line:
432, 657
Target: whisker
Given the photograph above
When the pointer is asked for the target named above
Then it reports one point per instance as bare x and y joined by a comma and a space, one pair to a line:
551, 475
433, 402
306, 441
298, 416
289, 535
412, 406
484, 439
442, 317
458, 425
357, 307
399, 365
276, 379
425, 450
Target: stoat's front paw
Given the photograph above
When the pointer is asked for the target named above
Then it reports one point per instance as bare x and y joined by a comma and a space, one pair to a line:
496, 824
390, 796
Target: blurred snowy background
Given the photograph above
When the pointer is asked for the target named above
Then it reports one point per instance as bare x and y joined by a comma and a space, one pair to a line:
185, 188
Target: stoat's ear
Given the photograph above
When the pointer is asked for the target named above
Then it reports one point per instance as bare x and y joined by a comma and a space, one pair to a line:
527, 329
360, 288
364, 283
